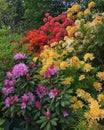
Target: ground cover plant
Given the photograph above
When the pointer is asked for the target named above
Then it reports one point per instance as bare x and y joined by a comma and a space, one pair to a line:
61, 85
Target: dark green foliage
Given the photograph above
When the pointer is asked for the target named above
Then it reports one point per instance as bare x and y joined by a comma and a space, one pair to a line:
35, 10
100, 5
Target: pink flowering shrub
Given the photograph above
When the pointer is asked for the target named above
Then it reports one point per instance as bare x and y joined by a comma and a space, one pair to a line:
32, 99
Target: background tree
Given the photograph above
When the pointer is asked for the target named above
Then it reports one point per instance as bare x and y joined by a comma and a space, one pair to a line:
35, 10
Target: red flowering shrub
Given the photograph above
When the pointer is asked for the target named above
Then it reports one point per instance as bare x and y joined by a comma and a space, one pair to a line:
53, 30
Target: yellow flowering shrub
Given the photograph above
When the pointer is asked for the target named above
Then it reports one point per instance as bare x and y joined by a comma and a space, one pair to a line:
79, 64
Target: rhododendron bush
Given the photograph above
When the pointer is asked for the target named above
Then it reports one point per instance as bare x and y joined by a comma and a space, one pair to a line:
62, 87
53, 30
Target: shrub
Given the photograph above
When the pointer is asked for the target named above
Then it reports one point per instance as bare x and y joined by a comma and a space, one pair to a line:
62, 88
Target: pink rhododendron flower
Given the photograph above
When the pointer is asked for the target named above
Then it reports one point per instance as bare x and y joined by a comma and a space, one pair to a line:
27, 98
53, 93
20, 56
51, 71
38, 105
11, 100
9, 83
7, 91
9, 75
31, 97
7, 102
41, 90
48, 114
20, 70
65, 113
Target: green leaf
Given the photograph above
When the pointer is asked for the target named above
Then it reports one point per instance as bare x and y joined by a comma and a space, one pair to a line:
1, 128
57, 104
43, 118
48, 127
43, 125
55, 119
62, 104
53, 122
2, 122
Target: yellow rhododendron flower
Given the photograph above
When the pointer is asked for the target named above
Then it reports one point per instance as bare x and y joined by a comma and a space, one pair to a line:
81, 63
81, 77
63, 53
69, 10
86, 41
80, 92
88, 56
92, 125
91, 4
101, 97
86, 11
74, 61
79, 34
35, 59
69, 41
39, 77
87, 67
97, 86
80, 104
53, 44
76, 7
73, 99
78, 23
74, 107
46, 47
94, 112
57, 64
63, 65
68, 29
70, 49
100, 75
80, 14
87, 96
44, 69
49, 62
87, 115
72, 30
64, 44
101, 113
67, 81
69, 16
97, 20
52, 54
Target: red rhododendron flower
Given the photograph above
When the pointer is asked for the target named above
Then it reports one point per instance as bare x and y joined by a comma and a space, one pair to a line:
53, 30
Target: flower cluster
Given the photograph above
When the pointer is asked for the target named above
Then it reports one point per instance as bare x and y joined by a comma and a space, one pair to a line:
8, 86
20, 70
51, 71
11, 100
27, 98
66, 79
53, 92
20, 56
53, 30
41, 91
